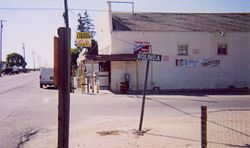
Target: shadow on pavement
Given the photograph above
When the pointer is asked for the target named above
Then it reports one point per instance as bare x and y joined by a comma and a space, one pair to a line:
194, 140
193, 92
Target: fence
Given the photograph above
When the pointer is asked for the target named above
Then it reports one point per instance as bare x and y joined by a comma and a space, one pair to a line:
221, 128
225, 128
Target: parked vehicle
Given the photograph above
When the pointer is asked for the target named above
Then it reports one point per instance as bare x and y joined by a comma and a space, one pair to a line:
15, 70
10, 70
46, 77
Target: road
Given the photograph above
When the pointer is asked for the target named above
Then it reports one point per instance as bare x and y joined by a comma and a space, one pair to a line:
27, 109
24, 108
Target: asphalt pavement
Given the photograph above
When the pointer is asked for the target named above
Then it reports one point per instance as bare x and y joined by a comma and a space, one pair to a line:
27, 109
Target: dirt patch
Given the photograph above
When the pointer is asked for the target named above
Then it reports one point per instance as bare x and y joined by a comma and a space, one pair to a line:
112, 132
119, 132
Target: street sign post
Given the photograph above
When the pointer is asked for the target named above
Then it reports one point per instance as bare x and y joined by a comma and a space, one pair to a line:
146, 57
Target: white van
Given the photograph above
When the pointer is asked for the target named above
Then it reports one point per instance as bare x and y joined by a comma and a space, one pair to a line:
46, 77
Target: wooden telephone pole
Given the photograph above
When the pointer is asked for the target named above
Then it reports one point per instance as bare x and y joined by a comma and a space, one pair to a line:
64, 81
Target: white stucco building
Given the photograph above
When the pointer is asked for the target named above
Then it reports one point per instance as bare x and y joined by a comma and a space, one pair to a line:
199, 50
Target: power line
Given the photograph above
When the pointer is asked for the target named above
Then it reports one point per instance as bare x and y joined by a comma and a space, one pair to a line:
50, 9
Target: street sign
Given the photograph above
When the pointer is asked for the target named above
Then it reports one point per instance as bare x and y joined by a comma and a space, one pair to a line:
149, 57
146, 57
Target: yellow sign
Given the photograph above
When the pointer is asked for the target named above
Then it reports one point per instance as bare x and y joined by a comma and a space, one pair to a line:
83, 35
83, 42
83, 39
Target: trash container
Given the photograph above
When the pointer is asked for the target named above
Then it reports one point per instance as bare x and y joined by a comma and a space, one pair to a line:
123, 87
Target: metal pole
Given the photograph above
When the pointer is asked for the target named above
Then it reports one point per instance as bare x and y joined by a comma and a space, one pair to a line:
64, 87
23, 52
137, 76
92, 77
33, 53
84, 78
204, 126
122, 2
144, 96
38, 60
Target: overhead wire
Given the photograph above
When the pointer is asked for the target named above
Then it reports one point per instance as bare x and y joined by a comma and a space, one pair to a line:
49, 9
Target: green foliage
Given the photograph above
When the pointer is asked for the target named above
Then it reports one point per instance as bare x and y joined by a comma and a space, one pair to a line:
15, 59
74, 55
93, 50
86, 24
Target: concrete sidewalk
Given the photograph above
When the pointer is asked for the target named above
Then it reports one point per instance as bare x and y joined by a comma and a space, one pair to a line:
118, 131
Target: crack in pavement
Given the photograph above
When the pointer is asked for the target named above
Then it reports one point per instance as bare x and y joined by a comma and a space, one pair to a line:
25, 136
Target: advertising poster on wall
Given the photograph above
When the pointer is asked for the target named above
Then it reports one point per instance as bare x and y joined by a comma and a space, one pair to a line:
141, 46
197, 62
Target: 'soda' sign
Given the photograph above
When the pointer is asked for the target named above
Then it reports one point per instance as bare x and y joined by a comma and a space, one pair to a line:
149, 57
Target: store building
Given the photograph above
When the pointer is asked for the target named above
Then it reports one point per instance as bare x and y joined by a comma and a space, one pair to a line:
199, 50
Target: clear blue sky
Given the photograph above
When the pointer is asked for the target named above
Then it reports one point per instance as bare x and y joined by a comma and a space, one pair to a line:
37, 28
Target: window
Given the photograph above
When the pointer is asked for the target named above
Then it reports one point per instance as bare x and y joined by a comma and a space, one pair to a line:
183, 49
222, 49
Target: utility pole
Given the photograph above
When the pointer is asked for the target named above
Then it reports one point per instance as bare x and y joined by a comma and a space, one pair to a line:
65, 15
33, 53
24, 52
39, 63
64, 34
1, 46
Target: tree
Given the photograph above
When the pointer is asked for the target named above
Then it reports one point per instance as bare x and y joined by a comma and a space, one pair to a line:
15, 59
93, 50
74, 55
86, 25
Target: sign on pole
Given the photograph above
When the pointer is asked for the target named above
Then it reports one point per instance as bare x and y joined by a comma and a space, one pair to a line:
146, 57
83, 39
149, 57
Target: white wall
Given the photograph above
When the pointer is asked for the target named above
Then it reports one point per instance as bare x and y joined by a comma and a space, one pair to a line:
103, 34
234, 68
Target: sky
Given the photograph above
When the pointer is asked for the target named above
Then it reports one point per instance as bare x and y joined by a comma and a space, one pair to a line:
36, 28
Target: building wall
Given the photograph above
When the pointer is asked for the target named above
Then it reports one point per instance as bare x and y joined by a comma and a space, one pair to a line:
103, 36
232, 70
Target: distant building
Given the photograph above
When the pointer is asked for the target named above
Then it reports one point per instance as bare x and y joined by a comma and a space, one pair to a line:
199, 50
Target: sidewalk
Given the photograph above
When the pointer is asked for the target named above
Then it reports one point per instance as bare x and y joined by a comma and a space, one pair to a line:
119, 132
114, 131
108, 132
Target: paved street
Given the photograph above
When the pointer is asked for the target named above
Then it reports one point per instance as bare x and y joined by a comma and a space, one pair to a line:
27, 109
24, 108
